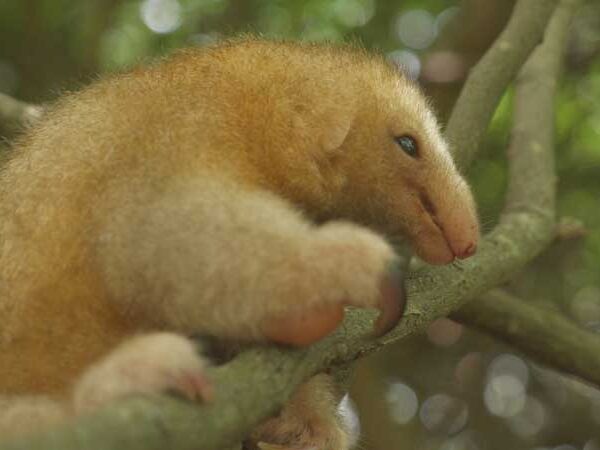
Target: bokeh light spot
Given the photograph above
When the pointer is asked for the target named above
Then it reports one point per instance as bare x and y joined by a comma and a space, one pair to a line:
161, 16
444, 332
406, 61
585, 305
445, 17
442, 413
444, 67
416, 29
354, 13
507, 364
530, 420
402, 402
463, 441
504, 395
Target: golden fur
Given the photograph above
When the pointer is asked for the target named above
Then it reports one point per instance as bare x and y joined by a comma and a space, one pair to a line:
188, 197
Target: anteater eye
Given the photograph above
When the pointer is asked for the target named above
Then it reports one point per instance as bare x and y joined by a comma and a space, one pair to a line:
408, 144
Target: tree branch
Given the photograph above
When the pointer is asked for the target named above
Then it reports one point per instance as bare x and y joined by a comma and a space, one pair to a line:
258, 382
491, 76
540, 333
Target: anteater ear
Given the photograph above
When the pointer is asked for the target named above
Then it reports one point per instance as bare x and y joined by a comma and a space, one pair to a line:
325, 128
319, 124
335, 129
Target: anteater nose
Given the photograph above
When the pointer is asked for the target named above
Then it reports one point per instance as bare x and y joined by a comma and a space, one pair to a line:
467, 251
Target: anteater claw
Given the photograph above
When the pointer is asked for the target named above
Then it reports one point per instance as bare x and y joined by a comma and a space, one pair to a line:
392, 301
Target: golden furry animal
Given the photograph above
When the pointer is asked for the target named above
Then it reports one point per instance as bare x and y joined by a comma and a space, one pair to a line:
224, 191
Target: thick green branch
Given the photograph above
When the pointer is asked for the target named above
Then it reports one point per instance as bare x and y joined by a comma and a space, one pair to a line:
493, 73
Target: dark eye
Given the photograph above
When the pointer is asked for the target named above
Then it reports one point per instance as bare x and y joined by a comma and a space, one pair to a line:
408, 144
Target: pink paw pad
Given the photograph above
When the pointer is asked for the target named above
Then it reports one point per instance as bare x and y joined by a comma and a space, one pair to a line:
145, 365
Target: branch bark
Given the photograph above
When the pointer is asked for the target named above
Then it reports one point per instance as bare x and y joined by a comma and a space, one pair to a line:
541, 333
491, 76
258, 382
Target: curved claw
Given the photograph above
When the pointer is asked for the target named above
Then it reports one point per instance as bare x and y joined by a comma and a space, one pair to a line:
392, 301
310, 325
196, 387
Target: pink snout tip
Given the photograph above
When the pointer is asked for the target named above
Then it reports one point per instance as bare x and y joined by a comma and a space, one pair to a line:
468, 251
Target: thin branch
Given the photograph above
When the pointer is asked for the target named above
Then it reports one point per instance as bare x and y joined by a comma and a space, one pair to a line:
493, 73
533, 118
15, 111
542, 334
